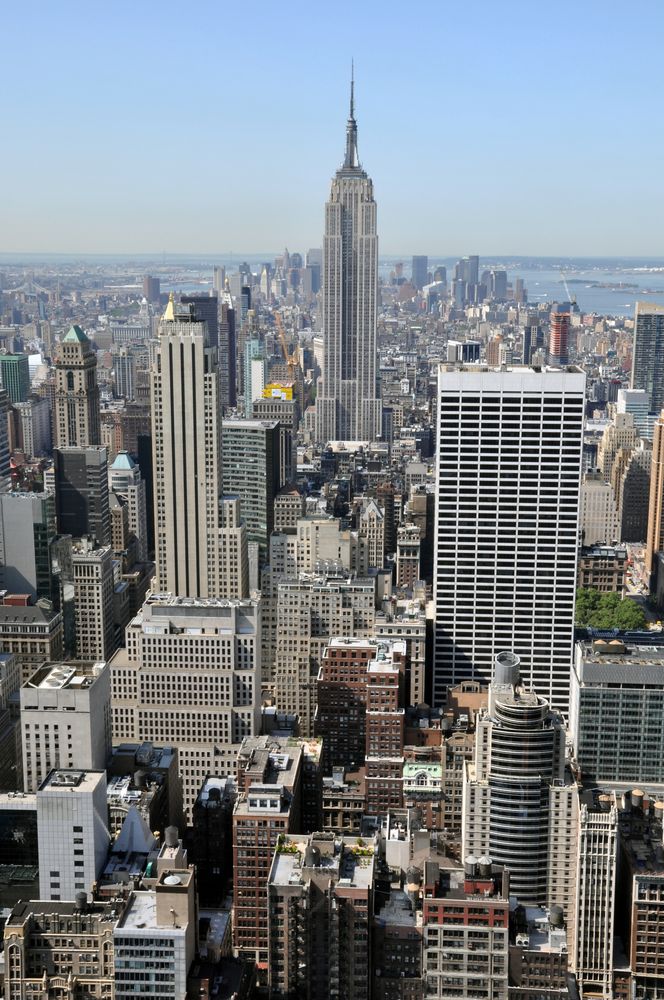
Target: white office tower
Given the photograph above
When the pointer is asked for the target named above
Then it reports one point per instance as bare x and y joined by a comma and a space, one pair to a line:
519, 758
186, 451
190, 675
124, 479
596, 895
72, 832
507, 519
65, 719
348, 407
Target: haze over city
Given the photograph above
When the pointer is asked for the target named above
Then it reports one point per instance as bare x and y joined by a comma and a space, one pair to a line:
517, 128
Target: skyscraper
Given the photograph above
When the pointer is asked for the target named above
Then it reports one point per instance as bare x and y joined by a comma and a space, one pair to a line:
348, 407
559, 339
648, 353
77, 422
419, 271
655, 538
508, 472
186, 448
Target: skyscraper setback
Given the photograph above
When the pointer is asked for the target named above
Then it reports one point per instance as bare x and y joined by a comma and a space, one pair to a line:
348, 407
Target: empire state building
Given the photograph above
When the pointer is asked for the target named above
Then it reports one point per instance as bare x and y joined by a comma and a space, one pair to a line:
348, 408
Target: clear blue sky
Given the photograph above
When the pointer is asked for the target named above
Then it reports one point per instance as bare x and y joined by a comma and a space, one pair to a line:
490, 127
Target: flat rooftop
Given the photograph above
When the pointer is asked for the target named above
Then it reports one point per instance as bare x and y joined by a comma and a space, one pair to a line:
57, 676
64, 780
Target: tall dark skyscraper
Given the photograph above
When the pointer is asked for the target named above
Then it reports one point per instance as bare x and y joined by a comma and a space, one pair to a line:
419, 271
648, 353
348, 407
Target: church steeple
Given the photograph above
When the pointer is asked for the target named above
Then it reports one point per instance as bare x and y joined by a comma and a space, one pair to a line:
352, 159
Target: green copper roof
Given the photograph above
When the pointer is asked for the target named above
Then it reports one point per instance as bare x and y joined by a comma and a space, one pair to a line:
123, 462
75, 335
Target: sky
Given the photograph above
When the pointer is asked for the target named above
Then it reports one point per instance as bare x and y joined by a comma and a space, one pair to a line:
510, 127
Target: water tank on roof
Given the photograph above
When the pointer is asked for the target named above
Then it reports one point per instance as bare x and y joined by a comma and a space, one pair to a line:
470, 866
485, 866
506, 668
557, 916
214, 794
171, 836
140, 779
81, 901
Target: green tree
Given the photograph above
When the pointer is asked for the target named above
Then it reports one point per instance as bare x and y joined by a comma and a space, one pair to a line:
607, 611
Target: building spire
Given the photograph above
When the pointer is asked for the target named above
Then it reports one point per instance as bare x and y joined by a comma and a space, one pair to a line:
351, 159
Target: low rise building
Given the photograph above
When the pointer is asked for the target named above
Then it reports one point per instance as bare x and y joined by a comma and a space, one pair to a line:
603, 568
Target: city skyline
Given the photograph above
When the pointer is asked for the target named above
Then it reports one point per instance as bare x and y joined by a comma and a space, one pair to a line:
465, 132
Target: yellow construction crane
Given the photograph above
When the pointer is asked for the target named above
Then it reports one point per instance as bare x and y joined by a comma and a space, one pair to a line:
290, 359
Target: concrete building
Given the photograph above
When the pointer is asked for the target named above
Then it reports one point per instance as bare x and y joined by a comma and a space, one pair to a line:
597, 860
519, 757
65, 719
35, 929
27, 530
320, 893
409, 545
465, 930
419, 271
34, 417
299, 619
559, 339
348, 407
614, 683
190, 671
648, 353
94, 591
397, 949
603, 568
126, 482
655, 536
186, 456
15, 376
32, 633
635, 495
72, 828
252, 471
233, 554
360, 715
599, 520
637, 402
268, 808
76, 415
620, 433
80, 482
507, 524
162, 924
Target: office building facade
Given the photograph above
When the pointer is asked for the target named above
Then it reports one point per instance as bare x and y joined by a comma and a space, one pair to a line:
186, 456
507, 512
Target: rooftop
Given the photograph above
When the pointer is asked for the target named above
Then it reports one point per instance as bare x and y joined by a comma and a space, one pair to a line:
57, 676
68, 779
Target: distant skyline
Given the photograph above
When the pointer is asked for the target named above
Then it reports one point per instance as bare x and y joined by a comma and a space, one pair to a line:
532, 129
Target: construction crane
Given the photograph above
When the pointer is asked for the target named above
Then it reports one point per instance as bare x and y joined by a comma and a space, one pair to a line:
571, 298
290, 359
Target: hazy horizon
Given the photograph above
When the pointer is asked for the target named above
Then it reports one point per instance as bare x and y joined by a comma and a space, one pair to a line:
514, 125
